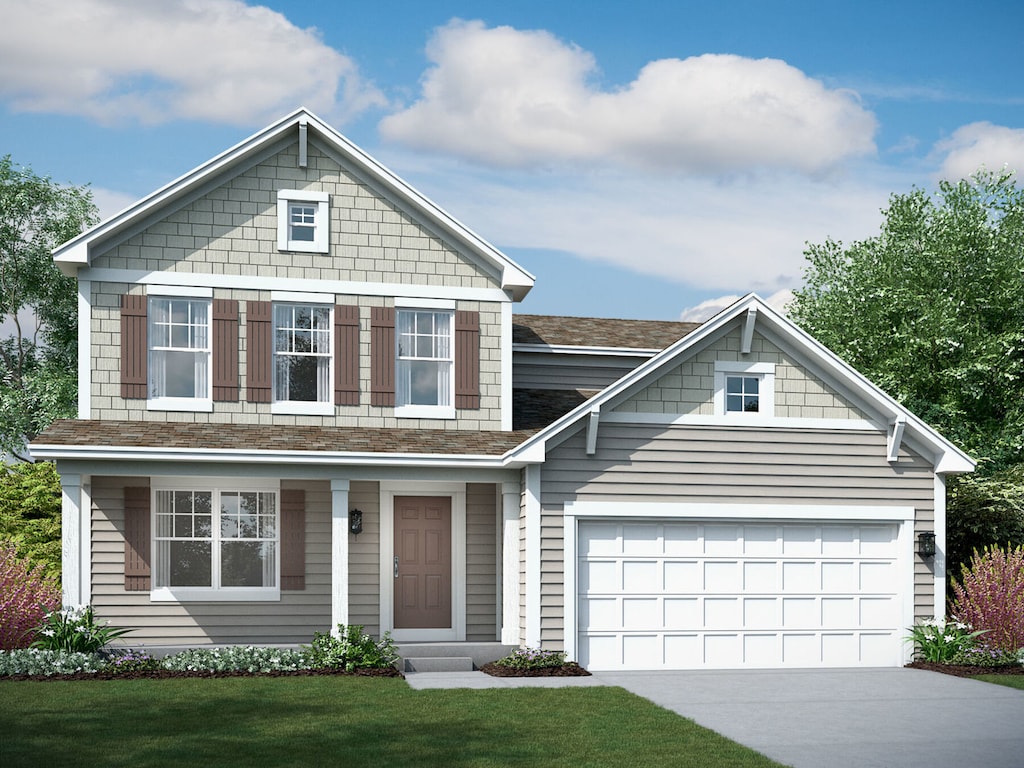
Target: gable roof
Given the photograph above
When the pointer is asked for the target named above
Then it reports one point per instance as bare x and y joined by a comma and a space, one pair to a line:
555, 331
947, 457
78, 252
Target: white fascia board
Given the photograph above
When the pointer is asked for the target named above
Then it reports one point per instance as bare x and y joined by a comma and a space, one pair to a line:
557, 349
226, 455
293, 285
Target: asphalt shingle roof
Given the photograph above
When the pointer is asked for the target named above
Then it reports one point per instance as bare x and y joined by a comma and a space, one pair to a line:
597, 331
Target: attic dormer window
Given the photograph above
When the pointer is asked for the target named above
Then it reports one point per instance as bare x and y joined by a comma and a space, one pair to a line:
302, 221
744, 389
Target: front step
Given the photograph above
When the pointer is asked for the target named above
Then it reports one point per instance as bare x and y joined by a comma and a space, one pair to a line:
440, 664
415, 657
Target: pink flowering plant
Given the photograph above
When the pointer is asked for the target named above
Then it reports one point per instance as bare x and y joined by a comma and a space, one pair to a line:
26, 595
75, 629
532, 658
940, 641
990, 595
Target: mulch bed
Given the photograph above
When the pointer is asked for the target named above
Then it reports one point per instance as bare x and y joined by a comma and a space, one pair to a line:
166, 674
961, 670
570, 669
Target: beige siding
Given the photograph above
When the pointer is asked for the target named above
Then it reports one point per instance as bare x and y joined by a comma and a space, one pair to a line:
481, 562
107, 402
364, 558
689, 387
292, 620
727, 465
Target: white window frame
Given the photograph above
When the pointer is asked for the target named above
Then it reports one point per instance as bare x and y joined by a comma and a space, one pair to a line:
764, 372
203, 401
216, 486
299, 407
440, 411
286, 198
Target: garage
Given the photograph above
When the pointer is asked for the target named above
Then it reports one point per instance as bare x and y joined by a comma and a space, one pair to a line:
718, 593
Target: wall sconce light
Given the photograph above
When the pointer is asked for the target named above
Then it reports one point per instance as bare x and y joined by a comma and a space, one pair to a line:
926, 544
355, 521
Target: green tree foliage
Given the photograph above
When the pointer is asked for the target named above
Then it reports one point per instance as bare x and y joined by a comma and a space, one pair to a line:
38, 360
932, 310
30, 514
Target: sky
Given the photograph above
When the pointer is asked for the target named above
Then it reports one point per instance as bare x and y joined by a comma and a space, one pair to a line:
648, 159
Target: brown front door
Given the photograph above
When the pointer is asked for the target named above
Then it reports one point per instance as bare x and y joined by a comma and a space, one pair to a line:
423, 562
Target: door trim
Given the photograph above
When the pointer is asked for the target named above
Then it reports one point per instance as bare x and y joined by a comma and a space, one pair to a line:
457, 493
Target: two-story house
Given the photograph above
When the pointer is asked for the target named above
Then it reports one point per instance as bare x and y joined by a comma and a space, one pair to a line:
304, 400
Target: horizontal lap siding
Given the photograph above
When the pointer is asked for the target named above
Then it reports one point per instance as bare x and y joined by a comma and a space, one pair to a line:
291, 620
641, 463
481, 562
364, 558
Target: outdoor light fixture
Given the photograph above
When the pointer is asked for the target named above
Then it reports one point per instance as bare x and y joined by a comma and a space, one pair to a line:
355, 521
926, 544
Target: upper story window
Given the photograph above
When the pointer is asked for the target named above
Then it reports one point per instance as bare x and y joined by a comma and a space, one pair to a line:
302, 358
744, 389
179, 353
425, 364
302, 221
215, 543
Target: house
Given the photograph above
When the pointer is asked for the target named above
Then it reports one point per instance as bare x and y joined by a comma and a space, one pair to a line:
305, 400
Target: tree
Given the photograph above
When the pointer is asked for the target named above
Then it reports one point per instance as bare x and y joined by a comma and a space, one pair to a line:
931, 310
39, 357
30, 512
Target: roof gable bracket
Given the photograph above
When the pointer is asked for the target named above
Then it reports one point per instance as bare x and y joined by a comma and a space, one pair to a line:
595, 419
748, 330
303, 142
895, 439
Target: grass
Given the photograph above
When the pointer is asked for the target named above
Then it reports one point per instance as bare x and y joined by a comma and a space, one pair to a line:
1010, 681
342, 721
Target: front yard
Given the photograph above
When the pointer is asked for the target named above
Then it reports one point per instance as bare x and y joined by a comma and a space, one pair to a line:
342, 721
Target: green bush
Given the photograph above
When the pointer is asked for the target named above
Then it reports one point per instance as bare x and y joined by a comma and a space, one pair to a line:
239, 658
940, 641
36, 661
352, 649
75, 629
532, 658
982, 655
30, 513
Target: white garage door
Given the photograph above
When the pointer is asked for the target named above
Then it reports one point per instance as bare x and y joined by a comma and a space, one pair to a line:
691, 595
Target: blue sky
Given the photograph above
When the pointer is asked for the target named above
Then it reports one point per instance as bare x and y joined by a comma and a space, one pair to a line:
644, 159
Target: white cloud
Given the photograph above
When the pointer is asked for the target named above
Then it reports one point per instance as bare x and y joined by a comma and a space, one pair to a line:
515, 98
109, 201
711, 307
981, 144
216, 60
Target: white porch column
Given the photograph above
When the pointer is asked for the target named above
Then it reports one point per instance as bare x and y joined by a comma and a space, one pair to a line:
533, 556
939, 561
510, 565
339, 554
72, 566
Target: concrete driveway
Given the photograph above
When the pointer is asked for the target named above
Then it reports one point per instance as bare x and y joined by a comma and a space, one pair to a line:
848, 717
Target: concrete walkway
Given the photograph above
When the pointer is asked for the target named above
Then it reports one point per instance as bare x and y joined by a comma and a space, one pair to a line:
846, 718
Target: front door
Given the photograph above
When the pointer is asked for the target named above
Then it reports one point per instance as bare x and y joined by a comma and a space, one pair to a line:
423, 562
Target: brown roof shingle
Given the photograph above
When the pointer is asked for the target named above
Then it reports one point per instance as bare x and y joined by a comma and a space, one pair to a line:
597, 331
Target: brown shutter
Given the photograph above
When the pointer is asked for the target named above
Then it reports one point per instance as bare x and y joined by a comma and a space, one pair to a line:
133, 346
136, 539
259, 351
293, 539
467, 360
382, 356
225, 350
346, 355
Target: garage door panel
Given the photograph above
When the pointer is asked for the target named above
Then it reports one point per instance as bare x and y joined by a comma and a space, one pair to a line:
683, 595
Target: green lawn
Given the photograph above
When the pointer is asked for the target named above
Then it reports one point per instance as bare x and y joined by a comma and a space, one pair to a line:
342, 721
1011, 681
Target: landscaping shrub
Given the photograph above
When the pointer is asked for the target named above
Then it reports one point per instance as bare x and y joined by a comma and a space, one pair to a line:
75, 629
26, 595
30, 513
37, 661
982, 655
940, 641
352, 649
532, 658
990, 596
238, 658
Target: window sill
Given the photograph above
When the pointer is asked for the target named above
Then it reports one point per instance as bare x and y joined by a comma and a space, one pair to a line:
209, 595
287, 408
302, 246
197, 405
425, 412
